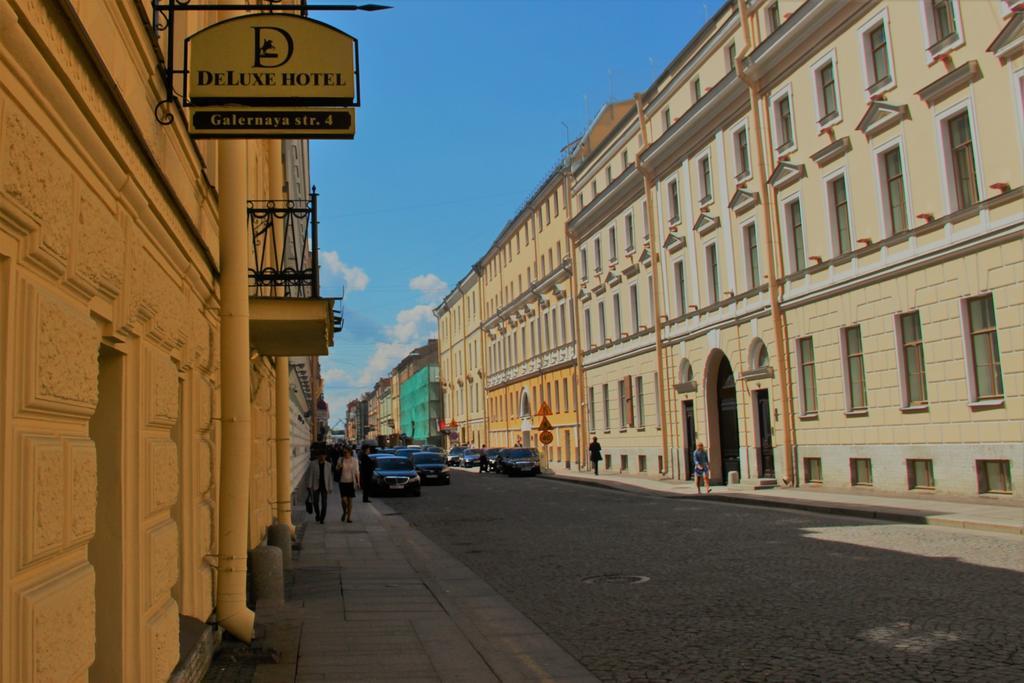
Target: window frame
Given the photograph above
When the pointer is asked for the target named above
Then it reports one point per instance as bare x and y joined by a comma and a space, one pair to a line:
634, 302
901, 363
752, 253
846, 357
784, 93
806, 410
772, 18
679, 267
639, 420
743, 171
882, 186
714, 278
876, 87
630, 229
935, 45
791, 246
824, 119
970, 366
705, 181
832, 217
673, 206
951, 163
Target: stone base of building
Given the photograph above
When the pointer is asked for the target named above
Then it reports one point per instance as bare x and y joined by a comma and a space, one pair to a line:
198, 642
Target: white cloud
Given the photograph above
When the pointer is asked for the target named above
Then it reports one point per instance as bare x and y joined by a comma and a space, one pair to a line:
355, 277
430, 286
412, 324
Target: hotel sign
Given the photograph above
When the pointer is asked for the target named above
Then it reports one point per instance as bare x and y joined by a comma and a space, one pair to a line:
271, 75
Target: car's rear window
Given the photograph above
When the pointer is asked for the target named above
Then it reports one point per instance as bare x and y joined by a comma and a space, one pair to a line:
428, 459
393, 463
521, 453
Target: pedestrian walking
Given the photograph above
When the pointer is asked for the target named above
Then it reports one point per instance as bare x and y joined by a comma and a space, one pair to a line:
365, 470
595, 456
483, 459
319, 483
348, 482
701, 468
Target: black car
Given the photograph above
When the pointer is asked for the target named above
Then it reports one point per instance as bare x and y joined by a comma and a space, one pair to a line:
471, 457
432, 468
520, 461
395, 474
455, 455
493, 456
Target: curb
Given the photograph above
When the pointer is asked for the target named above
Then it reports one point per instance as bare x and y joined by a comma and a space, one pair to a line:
845, 509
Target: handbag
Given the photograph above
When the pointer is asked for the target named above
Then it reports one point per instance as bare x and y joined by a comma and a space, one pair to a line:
309, 502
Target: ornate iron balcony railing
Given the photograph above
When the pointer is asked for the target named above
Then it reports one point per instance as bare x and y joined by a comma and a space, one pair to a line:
285, 254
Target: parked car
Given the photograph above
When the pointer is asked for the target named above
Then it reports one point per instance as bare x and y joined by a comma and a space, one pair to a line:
471, 457
405, 451
455, 455
395, 474
432, 468
520, 461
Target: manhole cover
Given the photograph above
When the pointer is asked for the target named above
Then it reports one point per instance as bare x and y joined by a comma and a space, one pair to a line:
617, 578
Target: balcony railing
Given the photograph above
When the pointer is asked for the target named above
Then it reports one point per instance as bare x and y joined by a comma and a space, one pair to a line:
548, 359
285, 260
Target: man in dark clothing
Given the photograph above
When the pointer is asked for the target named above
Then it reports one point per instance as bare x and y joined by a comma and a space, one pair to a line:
483, 458
319, 482
365, 470
595, 455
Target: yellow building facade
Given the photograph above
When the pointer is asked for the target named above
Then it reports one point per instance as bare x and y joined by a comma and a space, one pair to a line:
461, 361
112, 356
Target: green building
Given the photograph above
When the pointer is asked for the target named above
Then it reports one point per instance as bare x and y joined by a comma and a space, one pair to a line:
420, 405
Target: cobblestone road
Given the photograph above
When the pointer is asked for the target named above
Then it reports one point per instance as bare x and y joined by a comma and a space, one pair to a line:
736, 592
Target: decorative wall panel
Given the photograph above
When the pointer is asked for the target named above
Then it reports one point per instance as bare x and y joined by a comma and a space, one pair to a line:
161, 544
82, 463
161, 468
161, 397
41, 506
99, 245
57, 627
160, 643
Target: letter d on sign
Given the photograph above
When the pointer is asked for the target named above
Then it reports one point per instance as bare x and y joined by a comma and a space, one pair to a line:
267, 52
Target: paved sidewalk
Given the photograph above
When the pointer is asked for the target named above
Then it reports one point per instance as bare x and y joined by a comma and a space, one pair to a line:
1005, 517
377, 600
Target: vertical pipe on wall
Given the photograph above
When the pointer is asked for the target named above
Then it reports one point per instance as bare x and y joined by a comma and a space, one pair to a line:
282, 403
236, 411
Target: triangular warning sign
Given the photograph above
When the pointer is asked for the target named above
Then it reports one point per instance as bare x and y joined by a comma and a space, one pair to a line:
544, 410
544, 424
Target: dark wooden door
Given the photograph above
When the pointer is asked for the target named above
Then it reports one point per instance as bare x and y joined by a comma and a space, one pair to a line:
728, 421
691, 437
765, 449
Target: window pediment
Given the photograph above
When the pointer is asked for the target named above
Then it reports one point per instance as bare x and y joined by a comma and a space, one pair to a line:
1009, 43
613, 278
706, 224
645, 257
832, 151
743, 200
882, 116
674, 242
785, 174
954, 81
584, 295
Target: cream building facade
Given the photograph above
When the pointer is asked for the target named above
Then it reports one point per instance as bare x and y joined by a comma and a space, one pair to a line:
461, 361
836, 271
114, 295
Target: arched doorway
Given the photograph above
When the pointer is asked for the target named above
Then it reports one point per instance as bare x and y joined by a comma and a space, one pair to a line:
526, 418
723, 419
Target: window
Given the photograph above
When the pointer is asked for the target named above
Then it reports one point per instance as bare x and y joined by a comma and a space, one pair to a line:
943, 32
840, 214
784, 123
808, 381
673, 201
617, 316
856, 379
877, 47
608, 176
753, 265
895, 190
714, 291
601, 325
666, 118
742, 153
613, 244
697, 92
584, 269
920, 474
994, 476
812, 470
705, 179
860, 471
680, 276
634, 303
593, 190
587, 329
984, 349
643, 217
623, 463
638, 401
772, 18
828, 99
622, 404
597, 255
591, 410
796, 235
630, 239
605, 401
554, 202
915, 386
961, 152
641, 464
625, 160
730, 57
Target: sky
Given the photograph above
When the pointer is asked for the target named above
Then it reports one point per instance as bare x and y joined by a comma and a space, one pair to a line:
466, 107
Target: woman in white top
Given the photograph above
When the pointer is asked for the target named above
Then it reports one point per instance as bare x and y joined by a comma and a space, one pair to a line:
348, 481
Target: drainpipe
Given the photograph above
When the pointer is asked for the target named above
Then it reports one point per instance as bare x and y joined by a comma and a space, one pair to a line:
581, 384
236, 436
770, 229
656, 281
282, 419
